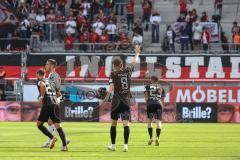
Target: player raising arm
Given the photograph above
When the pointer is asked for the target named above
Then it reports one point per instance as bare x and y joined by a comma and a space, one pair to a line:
154, 96
50, 109
120, 81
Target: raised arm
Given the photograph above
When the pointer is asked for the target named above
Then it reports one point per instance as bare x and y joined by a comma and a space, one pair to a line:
137, 50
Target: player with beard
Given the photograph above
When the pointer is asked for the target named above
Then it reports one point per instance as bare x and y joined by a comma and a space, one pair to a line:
55, 81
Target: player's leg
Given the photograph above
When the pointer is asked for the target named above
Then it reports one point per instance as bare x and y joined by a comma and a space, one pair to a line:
158, 130
62, 136
126, 134
158, 124
55, 117
51, 129
113, 133
150, 130
44, 130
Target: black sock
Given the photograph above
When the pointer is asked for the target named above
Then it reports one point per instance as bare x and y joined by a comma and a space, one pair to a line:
126, 134
62, 136
113, 134
158, 131
150, 132
45, 131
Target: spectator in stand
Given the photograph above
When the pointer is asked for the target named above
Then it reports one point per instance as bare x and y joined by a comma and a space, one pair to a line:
236, 41
98, 26
137, 27
122, 27
181, 18
108, 6
124, 42
68, 41
137, 38
190, 32
51, 18
103, 40
40, 20
184, 37
61, 6
197, 32
130, 13
224, 41
218, 4
147, 10
235, 29
194, 16
35, 31
205, 38
171, 35
100, 15
111, 30
204, 17
60, 26
86, 7
81, 22
183, 7
32, 15
95, 7
71, 25
155, 21
48, 5
93, 38
112, 17
83, 40
24, 26
75, 7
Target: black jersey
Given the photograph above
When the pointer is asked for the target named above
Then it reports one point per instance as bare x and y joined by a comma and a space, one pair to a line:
122, 81
50, 94
155, 93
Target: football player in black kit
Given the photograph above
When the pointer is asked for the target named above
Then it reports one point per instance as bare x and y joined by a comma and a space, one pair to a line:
154, 97
50, 109
120, 81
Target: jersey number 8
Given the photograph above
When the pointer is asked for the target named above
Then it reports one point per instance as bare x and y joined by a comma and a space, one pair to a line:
124, 82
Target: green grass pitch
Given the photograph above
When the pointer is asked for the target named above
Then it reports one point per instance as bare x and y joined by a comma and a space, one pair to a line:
20, 141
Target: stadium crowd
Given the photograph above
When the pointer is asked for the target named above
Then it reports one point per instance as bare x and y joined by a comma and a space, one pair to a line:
197, 36
110, 24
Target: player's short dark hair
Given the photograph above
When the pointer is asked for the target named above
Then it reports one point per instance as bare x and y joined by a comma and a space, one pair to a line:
154, 78
118, 62
53, 62
41, 72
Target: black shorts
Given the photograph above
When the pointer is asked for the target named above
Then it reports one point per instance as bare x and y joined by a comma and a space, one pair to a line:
154, 111
121, 110
50, 111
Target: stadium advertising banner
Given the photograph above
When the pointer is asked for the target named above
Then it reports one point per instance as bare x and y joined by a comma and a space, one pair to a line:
170, 67
222, 102
86, 68
196, 112
79, 111
19, 111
